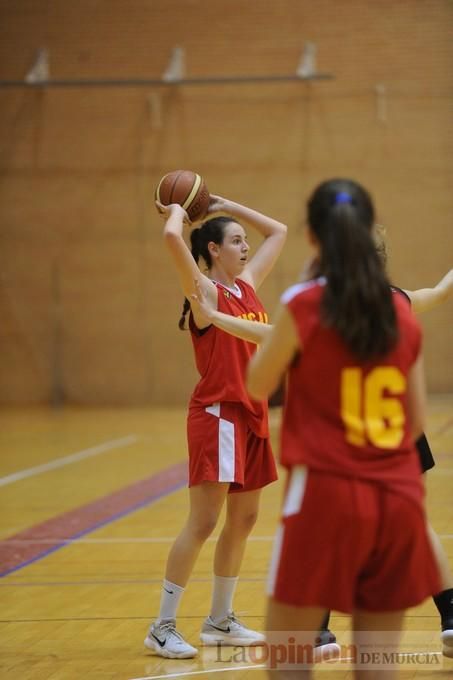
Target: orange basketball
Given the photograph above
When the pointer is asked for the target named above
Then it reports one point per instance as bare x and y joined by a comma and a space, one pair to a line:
186, 188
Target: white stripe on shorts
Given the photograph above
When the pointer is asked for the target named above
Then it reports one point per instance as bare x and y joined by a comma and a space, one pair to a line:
226, 445
291, 506
214, 410
296, 490
226, 451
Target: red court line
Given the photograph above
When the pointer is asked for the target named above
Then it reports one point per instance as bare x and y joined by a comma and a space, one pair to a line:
70, 525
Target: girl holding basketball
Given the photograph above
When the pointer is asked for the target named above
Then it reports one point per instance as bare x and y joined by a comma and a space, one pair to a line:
354, 492
230, 458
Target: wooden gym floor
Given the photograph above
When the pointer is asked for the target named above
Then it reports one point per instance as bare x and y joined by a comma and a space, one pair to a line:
90, 501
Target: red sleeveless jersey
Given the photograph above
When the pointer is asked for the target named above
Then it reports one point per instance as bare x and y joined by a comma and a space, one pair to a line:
222, 359
345, 416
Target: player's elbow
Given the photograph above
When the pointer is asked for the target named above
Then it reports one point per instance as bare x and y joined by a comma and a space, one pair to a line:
256, 391
281, 230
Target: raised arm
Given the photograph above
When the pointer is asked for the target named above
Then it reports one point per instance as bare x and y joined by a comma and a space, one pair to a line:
426, 298
274, 234
186, 267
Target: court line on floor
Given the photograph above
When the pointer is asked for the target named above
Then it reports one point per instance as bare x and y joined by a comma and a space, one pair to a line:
67, 460
144, 617
143, 540
183, 674
107, 582
87, 518
442, 429
121, 541
333, 664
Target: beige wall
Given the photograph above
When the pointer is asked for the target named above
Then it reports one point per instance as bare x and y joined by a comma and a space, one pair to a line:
88, 303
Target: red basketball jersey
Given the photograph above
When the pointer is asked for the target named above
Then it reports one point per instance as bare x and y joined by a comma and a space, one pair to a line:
343, 415
222, 359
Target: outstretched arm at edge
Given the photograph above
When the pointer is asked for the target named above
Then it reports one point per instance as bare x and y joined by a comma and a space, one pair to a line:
427, 298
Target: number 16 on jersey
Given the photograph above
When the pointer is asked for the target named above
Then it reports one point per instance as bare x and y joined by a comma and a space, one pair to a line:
370, 407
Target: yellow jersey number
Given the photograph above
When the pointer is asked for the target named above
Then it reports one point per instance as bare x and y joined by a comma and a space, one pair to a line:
368, 413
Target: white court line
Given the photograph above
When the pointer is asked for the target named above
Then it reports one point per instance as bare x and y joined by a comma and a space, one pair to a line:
132, 540
418, 653
67, 460
258, 666
183, 674
211, 670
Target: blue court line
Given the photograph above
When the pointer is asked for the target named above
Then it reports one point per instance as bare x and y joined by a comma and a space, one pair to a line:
67, 541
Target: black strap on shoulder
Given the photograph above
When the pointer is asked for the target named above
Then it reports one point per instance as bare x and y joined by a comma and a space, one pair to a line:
402, 292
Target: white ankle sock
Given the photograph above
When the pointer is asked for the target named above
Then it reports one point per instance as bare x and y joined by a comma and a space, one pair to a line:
169, 600
222, 596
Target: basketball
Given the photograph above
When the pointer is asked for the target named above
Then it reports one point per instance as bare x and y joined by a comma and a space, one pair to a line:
186, 188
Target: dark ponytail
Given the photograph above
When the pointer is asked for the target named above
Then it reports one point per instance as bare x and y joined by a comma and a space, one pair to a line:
182, 320
211, 231
357, 301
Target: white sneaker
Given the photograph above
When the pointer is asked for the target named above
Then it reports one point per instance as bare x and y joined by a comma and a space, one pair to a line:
229, 631
164, 640
447, 640
326, 647
328, 652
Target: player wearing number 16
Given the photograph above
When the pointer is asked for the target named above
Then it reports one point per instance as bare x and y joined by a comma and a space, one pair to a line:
353, 533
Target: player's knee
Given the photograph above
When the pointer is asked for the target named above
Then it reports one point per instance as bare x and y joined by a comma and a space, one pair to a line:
203, 527
244, 523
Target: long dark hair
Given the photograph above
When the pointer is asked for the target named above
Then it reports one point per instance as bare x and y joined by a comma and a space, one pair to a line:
212, 230
357, 301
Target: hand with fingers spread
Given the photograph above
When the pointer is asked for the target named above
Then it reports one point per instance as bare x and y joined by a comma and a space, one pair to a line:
218, 207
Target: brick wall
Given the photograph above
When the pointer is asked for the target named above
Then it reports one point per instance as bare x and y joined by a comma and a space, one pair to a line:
88, 301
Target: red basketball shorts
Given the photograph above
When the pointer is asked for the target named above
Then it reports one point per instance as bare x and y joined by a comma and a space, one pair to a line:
349, 544
222, 448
